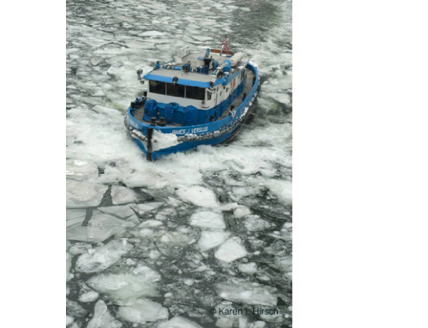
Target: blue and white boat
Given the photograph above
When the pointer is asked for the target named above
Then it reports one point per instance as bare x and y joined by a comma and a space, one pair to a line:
202, 98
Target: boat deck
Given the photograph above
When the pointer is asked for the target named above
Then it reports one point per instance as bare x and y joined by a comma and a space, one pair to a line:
139, 112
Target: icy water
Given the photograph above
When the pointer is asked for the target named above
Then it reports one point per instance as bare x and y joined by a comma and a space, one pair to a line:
162, 244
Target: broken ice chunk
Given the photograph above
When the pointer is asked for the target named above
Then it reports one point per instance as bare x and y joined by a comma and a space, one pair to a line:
229, 206
102, 317
75, 214
74, 309
255, 223
123, 211
179, 322
122, 195
231, 250
79, 170
100, 227
249, 268
96, 61
102, 257
241, 211
150, 224
198, 195
211, 239
177, 238
146, 207
140, 283
143, 311
69, 320
208, 220
242, 291
68, 261
84, 194
152, 33
87, 295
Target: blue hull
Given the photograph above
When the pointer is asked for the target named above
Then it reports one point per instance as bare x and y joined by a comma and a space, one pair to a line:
193, 136
184, 146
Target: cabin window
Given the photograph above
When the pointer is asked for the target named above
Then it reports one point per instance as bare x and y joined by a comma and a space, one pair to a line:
195, 93
175, 90
208, 95
157, 87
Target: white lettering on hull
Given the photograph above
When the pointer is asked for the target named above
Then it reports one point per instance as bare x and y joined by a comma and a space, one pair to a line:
187, 131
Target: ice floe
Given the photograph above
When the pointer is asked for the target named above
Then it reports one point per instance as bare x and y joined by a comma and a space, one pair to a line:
208, 220
243, 291
102, 257
198, 196
152, 33
255, 223
102, 317
69, 320
248, 268
179, 322
212, 239
122, 211
74, 309
100, 227
127, 285
142, 311
241, 211
87, 295
122, 195
146, 207
81, 170
231, 250
150, 224
84, 194
68, 265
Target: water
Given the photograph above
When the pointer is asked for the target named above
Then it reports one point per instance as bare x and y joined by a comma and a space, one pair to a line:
150, 241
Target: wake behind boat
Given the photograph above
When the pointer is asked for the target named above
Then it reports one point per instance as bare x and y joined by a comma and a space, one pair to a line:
200, 99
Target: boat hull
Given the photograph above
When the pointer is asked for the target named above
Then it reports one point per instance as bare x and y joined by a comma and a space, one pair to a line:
184, 146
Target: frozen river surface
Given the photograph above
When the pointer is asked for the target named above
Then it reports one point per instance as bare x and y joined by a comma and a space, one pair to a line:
181, 241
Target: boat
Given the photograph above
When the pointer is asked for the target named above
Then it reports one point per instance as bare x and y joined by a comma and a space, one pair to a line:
200, 98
